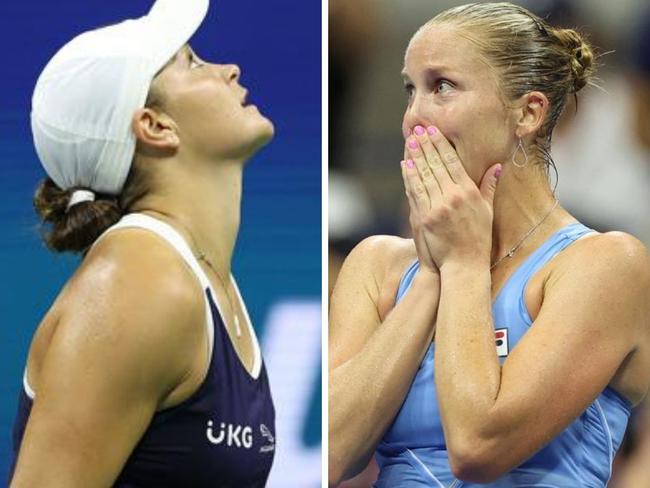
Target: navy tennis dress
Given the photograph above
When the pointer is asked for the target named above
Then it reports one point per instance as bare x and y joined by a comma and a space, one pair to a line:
223, 435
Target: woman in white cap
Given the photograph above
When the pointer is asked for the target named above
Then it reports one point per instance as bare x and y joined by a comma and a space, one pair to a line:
146, 370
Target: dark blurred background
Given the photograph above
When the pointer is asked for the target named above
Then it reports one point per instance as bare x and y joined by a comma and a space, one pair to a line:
602, 152
278, 256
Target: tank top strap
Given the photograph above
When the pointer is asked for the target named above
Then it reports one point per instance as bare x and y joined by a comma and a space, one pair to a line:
171, 236
519, 279
168, 233
563, 238
174, 239
407, 279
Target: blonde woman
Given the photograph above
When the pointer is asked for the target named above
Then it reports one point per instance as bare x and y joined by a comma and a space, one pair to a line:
506, 343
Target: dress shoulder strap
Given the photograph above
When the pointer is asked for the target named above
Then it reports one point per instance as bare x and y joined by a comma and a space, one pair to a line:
168, 233
548, 250
407, 279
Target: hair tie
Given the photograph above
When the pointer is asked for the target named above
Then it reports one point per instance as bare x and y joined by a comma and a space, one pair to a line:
79, 196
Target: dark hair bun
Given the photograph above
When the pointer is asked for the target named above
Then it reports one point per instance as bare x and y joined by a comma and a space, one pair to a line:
76, 229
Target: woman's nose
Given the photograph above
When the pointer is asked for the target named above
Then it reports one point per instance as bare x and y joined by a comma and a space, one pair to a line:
412, 114
416, 115
411, 119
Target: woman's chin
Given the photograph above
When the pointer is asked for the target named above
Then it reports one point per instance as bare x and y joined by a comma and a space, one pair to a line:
268, 130
261, 135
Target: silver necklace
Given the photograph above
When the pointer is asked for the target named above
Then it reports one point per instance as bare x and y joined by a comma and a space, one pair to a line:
202, 257
521, 241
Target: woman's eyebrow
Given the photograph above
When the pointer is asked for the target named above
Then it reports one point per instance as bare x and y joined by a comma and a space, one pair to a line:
429, 70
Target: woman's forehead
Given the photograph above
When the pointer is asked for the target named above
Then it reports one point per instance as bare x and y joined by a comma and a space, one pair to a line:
174, 64
442, 49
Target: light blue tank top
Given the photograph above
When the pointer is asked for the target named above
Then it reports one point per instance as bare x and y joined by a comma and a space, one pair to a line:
413, 453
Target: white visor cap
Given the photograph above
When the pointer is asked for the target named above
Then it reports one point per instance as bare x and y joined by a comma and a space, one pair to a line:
85, 98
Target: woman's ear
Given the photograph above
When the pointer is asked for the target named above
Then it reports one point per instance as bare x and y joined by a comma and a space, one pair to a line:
533, 107
155, 132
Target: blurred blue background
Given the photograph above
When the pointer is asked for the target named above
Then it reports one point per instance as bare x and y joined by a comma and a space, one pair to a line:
278, 260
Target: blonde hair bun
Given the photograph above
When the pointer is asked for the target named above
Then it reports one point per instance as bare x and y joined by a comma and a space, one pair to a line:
580, 53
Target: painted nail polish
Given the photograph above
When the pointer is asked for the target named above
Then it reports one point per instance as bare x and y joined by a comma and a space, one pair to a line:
409, 163
497, 172
413, 144
419, 130
431, 130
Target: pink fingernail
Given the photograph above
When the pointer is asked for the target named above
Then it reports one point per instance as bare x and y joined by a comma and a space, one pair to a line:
497, 172
409, 163
431, 130
419, 130
413, 144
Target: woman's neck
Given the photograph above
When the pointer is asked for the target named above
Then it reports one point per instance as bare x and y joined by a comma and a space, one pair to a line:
203, 203
523, 202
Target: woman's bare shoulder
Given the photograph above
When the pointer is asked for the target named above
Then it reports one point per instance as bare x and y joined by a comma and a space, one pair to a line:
140, 257
606, 265
384, 258
384, 253
608, 252
131, 288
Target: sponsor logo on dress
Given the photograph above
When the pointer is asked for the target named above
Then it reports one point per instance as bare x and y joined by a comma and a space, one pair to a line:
501, 338
232, 435
266, 433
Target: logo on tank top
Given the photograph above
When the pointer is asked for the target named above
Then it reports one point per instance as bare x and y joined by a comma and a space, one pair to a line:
232, 435
270, 440
501, 338
239, 436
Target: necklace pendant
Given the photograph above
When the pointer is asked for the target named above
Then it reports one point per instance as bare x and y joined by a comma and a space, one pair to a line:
510, 253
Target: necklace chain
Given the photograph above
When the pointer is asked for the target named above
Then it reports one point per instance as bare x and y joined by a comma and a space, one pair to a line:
521, 241
202, 257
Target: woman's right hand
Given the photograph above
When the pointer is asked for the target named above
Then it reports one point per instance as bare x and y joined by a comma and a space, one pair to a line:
427, 265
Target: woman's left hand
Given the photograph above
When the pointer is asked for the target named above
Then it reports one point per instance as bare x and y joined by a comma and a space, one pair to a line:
454, 214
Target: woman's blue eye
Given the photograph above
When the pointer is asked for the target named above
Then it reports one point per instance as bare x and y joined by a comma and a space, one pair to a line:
442, 83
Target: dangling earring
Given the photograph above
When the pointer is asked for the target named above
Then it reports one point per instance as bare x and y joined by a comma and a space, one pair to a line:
514, 156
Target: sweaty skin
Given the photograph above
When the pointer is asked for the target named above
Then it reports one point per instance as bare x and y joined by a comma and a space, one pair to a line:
111, 353
463, 219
